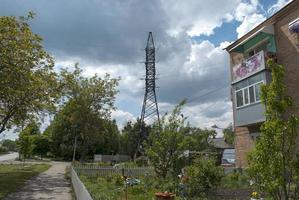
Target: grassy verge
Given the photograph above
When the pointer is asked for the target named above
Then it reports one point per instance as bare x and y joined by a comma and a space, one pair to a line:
13, 177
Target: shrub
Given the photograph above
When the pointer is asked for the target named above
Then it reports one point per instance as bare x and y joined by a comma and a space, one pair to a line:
203, 175
235, 180
3, 150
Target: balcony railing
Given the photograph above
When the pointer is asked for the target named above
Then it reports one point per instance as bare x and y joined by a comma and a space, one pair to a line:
249, 67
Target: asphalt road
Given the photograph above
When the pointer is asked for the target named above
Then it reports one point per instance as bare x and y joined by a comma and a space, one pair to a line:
8, 157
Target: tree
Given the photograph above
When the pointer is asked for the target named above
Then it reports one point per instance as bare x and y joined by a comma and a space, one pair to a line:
25, 141
196, 139
9, 144
131, 138
163, 147
271, 163
85, 115
228, 134
41, 145
28, 84
110, 139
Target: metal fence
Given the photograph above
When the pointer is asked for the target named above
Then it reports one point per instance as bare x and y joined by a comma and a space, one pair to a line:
94, 171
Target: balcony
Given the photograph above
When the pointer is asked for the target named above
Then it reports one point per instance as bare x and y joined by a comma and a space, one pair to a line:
248, 67
247, 77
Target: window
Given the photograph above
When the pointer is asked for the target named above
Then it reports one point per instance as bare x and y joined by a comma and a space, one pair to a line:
256, 49
251, 94
258, 91
248, 91
239, 95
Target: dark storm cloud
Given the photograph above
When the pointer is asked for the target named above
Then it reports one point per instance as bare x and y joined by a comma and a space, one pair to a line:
114, 32
108, 31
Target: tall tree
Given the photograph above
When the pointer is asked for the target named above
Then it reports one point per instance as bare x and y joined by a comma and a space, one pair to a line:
28, 84
25, 141
131, 137
41, 145
110, 139
9, 144
163, 147
228, 134
271, 164
89, 102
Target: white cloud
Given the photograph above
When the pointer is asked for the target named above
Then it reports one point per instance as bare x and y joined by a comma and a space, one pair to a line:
250, 14
277, 6
244, 9
198, 17
248, 23
122, 117
205, 115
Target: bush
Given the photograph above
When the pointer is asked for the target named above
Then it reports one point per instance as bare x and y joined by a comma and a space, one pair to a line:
235, 180
9, 144
203, 175
3, 150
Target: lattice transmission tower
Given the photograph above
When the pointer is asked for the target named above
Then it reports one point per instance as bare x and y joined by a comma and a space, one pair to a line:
150, 111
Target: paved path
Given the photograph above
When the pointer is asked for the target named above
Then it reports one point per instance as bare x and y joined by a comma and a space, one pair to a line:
8, 157
50, 184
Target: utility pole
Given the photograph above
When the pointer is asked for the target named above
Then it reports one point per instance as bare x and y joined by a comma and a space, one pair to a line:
75, 147
150, 111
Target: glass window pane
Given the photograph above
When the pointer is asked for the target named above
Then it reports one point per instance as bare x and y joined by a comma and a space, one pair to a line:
251, 94
241, 84
239, 96
258, 91
255, 78
246, 98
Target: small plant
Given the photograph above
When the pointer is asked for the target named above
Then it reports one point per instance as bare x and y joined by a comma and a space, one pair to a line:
255, 195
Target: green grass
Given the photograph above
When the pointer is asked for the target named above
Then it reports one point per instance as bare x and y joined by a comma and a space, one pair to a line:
113, 189
13, 177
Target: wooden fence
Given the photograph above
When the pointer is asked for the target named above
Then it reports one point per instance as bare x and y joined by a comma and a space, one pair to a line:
95, 171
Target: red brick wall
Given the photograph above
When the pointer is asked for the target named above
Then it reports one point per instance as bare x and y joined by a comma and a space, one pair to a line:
243, 144
288, 55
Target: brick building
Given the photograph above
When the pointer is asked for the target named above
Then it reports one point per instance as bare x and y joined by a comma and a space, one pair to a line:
278, 38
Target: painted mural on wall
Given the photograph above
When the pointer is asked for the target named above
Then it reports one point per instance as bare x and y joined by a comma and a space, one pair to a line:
250, 66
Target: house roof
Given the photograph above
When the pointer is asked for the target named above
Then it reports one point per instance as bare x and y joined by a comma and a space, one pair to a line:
271, 20
219, 143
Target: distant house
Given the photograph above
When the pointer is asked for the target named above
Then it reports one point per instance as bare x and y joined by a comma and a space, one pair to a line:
277, 38
111, 158
225, 150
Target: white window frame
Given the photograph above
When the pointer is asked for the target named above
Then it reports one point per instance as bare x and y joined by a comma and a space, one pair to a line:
243, 95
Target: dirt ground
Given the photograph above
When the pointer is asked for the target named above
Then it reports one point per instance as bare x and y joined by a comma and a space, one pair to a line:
50, 184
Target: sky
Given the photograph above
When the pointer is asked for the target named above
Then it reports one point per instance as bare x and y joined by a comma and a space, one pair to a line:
109, 36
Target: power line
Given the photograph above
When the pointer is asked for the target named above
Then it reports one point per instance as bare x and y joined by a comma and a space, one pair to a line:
206, 94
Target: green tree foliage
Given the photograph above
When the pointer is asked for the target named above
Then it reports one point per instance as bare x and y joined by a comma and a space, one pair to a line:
196, 139
28, 83
9, 144
85, 115
110, 139
163, 148
271, 163
3, 150
229, 135
41, 145
203, 175
168, 143
131, 138
25, 141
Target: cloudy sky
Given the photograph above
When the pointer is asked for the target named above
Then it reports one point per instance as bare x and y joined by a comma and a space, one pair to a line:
109, 36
